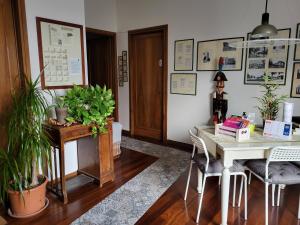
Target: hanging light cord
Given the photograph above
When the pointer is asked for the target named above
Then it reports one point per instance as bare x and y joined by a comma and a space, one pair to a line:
266, 9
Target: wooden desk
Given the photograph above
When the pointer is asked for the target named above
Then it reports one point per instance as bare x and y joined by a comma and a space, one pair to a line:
95, 155
229, 149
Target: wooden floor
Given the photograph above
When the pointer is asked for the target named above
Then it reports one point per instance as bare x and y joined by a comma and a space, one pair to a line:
83, 194
170, 208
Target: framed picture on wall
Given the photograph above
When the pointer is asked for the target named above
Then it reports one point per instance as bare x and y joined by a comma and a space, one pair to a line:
183, 83
209, 52
295, 89
184, 55
297, 46
61, 53
271, 60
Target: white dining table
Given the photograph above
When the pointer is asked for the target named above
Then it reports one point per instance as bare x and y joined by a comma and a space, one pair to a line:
257, 147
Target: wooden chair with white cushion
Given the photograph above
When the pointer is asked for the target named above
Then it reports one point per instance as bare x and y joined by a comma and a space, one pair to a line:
277, 170
211, 167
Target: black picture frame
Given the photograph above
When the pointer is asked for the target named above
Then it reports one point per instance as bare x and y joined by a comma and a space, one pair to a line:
176, 41
221, 39
297, 45
293, 78
286, 62
187, 74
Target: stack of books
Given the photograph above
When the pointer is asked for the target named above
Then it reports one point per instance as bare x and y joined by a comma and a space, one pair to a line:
236, 122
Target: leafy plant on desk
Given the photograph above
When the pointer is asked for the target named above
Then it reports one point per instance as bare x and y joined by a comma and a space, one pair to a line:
269, 102
90, 106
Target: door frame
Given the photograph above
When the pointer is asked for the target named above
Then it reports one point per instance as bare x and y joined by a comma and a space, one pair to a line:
131, 34
113, 35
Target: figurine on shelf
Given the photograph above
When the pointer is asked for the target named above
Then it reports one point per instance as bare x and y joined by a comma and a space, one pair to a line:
220, 103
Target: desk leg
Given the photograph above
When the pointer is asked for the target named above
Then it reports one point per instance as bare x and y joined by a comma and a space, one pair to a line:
225, 194
62, 172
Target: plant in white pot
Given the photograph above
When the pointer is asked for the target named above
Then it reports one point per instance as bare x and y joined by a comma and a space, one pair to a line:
269, 102
60, 109
23, 181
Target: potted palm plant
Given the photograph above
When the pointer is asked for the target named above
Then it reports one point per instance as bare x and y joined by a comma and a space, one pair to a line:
22, 173
269, 102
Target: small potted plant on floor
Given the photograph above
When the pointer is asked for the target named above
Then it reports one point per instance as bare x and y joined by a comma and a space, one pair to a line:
22, 173
269, 102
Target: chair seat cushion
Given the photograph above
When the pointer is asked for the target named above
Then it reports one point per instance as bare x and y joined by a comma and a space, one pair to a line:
215, 165
279, 172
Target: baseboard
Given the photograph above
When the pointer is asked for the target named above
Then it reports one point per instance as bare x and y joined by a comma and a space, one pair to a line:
126, 133
170, 143
180, 145
67, 177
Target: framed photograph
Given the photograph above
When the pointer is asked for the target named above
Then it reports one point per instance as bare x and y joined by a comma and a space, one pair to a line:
184, 55
124, 56
297, 47
295, 89
120, 60
209, 53
61, 53
183, 83
271, 60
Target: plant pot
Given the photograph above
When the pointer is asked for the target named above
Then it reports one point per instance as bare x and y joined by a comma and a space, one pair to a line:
61, 114
32, 201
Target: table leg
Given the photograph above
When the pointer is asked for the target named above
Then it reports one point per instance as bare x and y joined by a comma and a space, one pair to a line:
225, 194
62, 172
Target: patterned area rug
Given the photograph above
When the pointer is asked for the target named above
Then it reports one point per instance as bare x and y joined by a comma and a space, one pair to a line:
128, 203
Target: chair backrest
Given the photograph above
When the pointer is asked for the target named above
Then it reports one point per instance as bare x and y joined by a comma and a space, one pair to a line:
283, 154
199, 144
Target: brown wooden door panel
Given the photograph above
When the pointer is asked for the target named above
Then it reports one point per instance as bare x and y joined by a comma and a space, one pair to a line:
147, 84
9, 64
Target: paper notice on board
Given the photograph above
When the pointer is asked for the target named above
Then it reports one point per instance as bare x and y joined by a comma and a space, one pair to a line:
74, 67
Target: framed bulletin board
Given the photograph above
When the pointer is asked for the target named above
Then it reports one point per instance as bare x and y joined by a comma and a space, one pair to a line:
183, 83
61, 53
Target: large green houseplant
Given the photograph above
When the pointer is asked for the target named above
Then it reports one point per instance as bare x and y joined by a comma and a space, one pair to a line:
269, 102
23, 182
90, 106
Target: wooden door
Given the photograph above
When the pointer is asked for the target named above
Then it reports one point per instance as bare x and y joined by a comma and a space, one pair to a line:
101, 58
9, 66
14, 60
147, 84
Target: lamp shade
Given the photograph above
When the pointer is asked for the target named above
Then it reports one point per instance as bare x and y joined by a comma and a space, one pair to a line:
265, 29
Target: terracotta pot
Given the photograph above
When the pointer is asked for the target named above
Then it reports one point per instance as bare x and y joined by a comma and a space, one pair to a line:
32, 201
61, 114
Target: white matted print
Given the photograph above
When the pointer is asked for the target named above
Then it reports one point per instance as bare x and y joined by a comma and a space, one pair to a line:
271, 61
183, 83
295, 89
209, 53
184, 55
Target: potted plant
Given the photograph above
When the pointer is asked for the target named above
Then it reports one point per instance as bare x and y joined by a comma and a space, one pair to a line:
269, 102
90, 106
23, 182
60, 109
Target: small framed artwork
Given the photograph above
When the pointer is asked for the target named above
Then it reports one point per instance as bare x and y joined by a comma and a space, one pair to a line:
124, 55
209, 52
295, 89
297, 46
183, 83
120, 60
271, 60
184, 55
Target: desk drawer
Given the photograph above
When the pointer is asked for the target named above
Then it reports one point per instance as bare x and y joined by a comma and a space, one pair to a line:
75, 132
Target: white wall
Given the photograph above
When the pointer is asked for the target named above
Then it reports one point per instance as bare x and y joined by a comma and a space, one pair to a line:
101, 14
203, 20
64, 10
